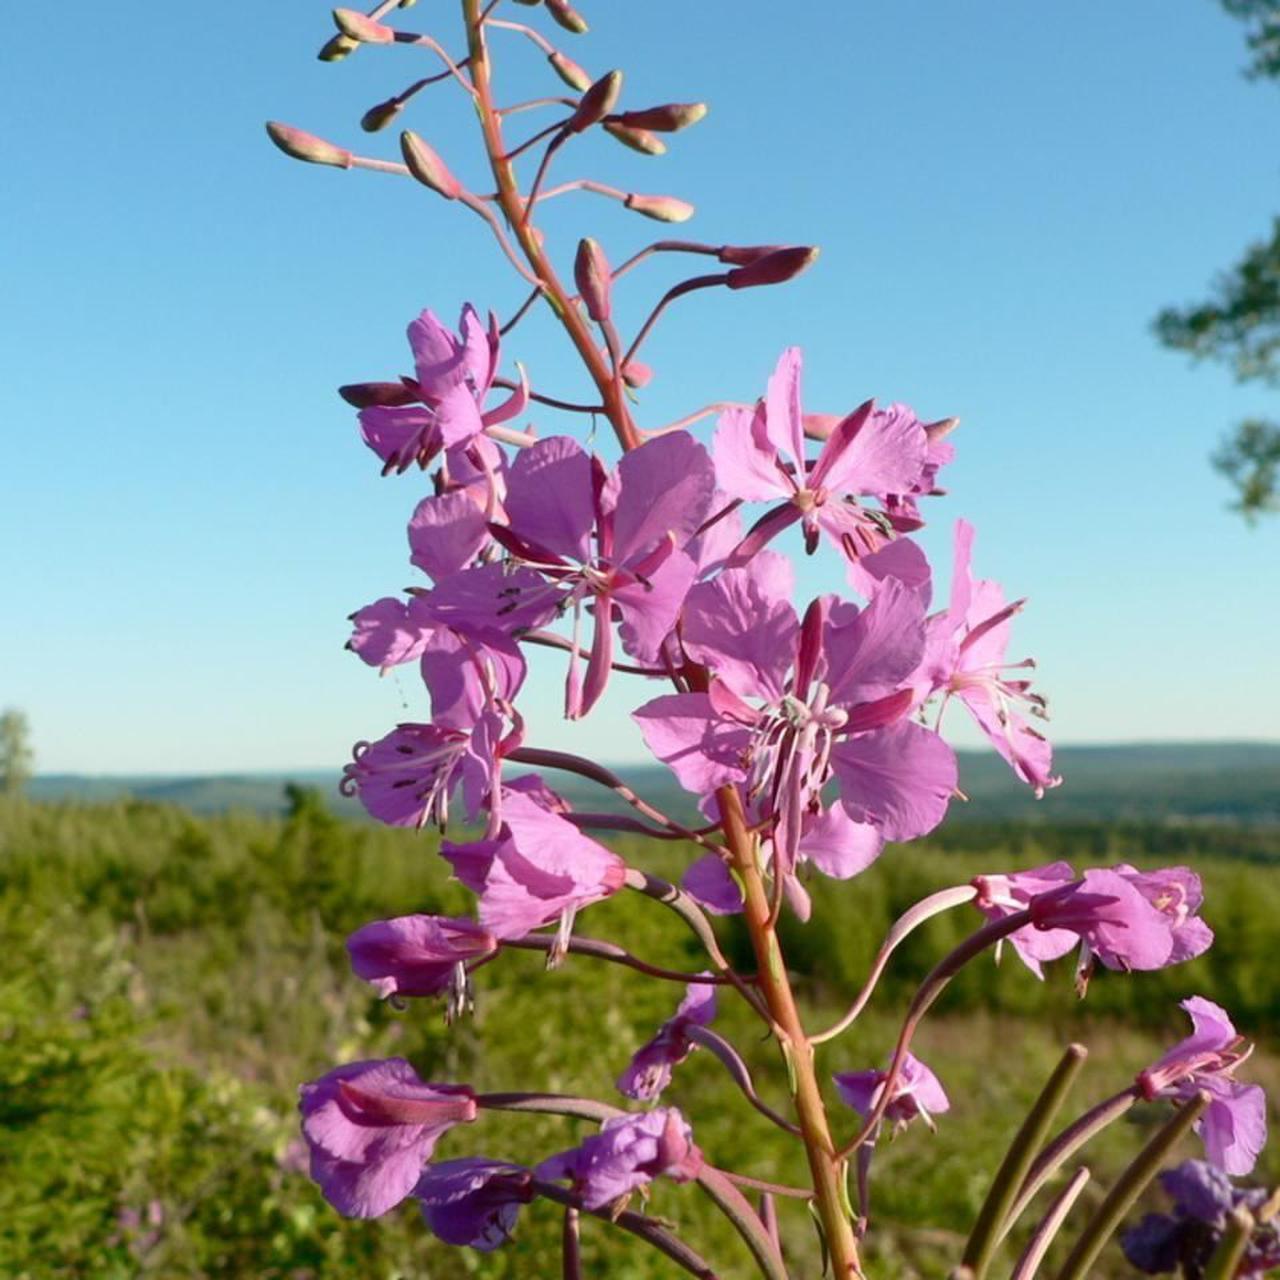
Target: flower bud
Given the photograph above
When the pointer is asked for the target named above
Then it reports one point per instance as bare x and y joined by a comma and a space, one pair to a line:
742, 255
567, 16
636, 374
569, 71
593, 278
378, 117
338, 48
668, 118
407, 4
660, 208
365, 395
642, 140
356, 26
774, 268
596, 103
306, 146
427, 167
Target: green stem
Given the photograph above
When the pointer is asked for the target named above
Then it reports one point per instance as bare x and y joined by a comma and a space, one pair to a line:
1227, 1256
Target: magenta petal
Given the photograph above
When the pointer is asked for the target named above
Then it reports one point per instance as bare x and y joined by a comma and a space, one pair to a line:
491, 598
899, 779
874, 653
838, 846
458, 416
445, 533
886, 455
901, 559
783, 413
549, 499
664, 489
389, 631
399, 435
746, 460
741, 625
710, 885
1234, 1125
685, 733
650, 608
359, 1190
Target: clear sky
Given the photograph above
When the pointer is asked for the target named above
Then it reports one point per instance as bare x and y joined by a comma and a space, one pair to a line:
1005, 192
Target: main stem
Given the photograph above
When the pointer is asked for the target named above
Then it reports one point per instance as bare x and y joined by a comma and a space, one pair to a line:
825, 1166
512, 203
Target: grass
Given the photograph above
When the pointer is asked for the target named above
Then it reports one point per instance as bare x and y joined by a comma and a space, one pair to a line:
172, 979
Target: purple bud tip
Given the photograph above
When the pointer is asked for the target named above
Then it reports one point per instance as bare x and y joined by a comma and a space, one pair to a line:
567, 16
741, 255
668, 118
643, 140
661, 208
378, 117
636, 374
592, 275
427, 167
364, 30
364, 395
773, 268
570, 72
337, 48
306, 146
597, 102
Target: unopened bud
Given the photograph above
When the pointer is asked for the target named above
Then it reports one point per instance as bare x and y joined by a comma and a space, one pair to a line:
567, 16
569, 71
667, 118
361, 28
741, 255
338, 48
636, 374
592, 275
774, 268
380, 116
941, 429
306, 146
642, 140
596, 103
427, 167
407, 4
660, 208
364, 395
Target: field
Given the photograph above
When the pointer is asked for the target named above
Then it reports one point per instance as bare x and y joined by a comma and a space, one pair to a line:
171, 978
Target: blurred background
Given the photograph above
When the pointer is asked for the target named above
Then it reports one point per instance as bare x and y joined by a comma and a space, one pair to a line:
1055, 222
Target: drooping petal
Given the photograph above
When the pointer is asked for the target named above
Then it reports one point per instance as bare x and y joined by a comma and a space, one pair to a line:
662, 489
702, 749
901, 559
1234, 1125
417, 955
900, 779
489, 598
399, 435
445, 534
389, 632
473, 1202
466, 673
649, 609
838, 846
710, 885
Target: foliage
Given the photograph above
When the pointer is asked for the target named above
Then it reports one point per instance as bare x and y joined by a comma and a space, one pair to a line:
16, 757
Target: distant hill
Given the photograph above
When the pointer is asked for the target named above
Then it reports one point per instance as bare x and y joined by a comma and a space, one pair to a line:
1220, 781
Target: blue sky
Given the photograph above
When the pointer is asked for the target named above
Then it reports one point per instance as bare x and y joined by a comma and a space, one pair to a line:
1005, 192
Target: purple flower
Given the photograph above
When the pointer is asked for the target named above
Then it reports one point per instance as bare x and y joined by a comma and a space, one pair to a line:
538, 869
1176, 893
371, 1126
792, 704
421, 956
628, 1153
473, 1202
614, 540
1234, 1125
917, 1093
965, 659
1000, 896
650, 1069
454, 374
760, 457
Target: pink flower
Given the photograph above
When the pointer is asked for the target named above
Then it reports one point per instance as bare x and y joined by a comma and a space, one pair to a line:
917, 1093
760, 457
1000, 896
1234, 1125
454, 374
473, 1202
371, 1126
650, 1068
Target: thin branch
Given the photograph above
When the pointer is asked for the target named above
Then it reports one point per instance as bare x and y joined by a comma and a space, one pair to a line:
567, 405
615, 955
521, 311
531, 103
676, 291
1043, 1236
427, 42
740, 1074
768, 1188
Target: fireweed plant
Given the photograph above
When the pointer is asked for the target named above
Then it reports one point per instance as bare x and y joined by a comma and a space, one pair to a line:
808, 731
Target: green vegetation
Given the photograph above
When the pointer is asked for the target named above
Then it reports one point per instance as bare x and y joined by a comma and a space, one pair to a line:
172, 978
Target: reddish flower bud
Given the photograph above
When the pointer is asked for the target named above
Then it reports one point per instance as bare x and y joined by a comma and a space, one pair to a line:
596, 103
741, 255
569, 71
940, 429
567, 16
365, 395
636, 373
306, 146
642, 140
592, 275
378, 117
407, 4
773, 268
357, 26
427, 167
661, 208
668, 118
338, 48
